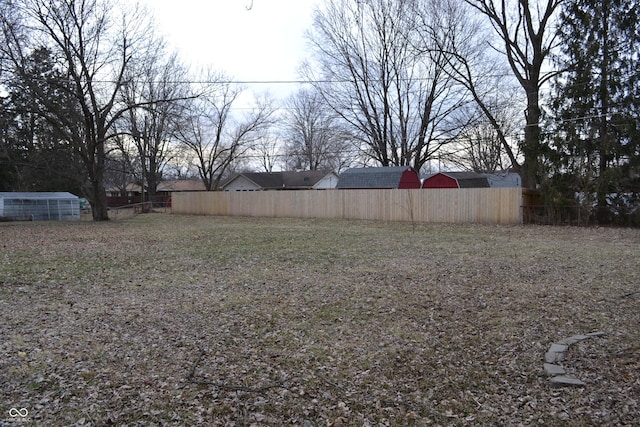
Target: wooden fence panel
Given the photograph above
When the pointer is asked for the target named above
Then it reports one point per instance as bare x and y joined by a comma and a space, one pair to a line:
467, 205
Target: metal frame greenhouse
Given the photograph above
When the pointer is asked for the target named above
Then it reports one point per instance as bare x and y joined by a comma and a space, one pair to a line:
41, 206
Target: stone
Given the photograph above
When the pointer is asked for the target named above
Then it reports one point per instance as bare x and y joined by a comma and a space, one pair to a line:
565, 381
574, 339
555, 353
558, 348
553, 370
550, 357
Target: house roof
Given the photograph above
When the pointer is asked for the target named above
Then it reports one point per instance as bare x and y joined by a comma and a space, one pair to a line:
281, 180
181, 185
264, 180
380, 177
302, 179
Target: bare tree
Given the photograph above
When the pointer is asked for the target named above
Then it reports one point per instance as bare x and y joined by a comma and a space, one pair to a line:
94, 51
154, 92
118, 173
267, 149
313, 135
180, 164
395, 100
487, 125
479, 147
527, 34
214, 135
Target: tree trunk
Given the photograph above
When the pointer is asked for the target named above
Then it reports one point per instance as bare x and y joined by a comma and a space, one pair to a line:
99, 208
531, 144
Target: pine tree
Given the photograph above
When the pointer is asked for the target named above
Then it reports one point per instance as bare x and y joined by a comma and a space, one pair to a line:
597, 102
34, 153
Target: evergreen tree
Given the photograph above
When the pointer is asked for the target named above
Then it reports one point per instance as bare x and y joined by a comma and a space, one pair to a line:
34, 156
596, 105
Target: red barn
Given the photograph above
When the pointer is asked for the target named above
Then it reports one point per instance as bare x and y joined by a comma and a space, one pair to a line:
456, 180
381, 177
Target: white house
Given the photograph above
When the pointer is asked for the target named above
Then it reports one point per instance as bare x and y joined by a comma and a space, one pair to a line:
297, 180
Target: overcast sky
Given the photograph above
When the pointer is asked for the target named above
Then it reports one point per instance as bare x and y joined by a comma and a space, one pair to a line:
265, 43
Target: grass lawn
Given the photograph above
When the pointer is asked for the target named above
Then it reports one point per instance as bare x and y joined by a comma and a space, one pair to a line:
163, 319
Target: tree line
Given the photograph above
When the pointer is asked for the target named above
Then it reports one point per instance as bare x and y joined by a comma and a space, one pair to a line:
91, 97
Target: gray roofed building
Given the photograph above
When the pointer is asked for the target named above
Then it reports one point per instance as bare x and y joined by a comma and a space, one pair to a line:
504, 179
379, 177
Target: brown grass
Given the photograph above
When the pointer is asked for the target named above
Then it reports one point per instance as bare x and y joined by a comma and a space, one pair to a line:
177, 320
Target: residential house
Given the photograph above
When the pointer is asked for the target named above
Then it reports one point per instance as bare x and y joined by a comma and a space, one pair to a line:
290, 180
504, 179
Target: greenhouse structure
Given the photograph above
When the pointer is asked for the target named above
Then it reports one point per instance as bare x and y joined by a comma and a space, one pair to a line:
40, 206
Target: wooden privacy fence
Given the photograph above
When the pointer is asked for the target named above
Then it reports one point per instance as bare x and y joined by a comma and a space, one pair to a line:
470, 205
